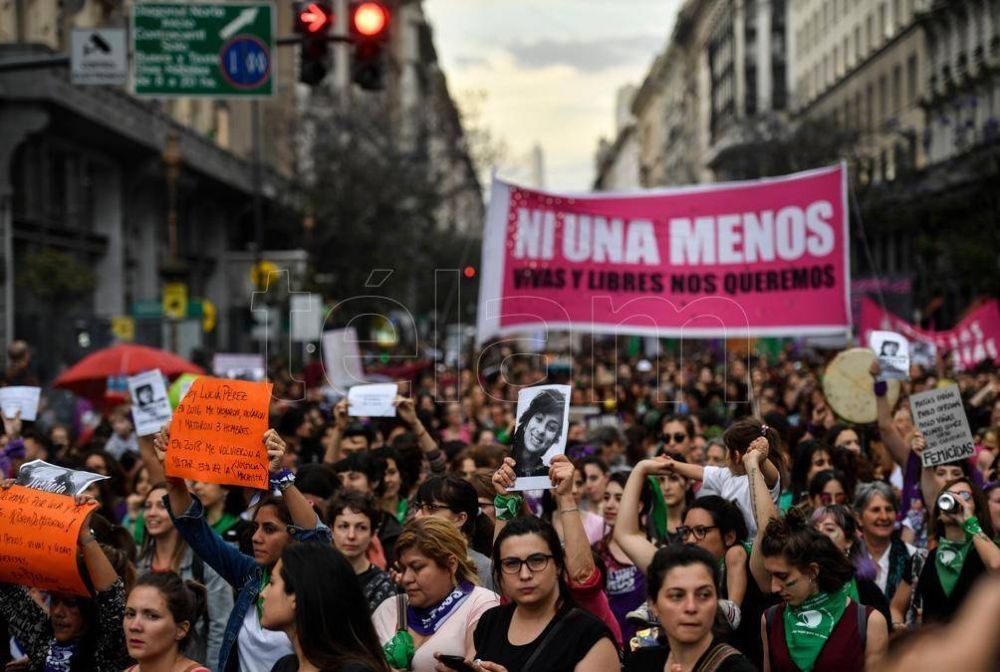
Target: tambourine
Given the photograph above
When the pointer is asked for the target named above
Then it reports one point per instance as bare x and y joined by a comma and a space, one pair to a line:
847, 385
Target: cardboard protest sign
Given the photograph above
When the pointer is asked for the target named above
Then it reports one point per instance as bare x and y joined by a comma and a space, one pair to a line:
940, 417
151, 410
893, 353
38, 545
542, 426
40, 475
216, 433
20, 398
372, 401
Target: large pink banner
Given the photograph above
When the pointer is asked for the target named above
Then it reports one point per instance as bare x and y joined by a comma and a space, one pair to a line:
973, 340
760, 258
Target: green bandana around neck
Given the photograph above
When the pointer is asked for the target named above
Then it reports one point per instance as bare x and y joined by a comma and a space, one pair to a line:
808, 626
949, 560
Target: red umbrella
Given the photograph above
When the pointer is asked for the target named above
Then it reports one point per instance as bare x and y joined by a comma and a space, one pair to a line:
88, 378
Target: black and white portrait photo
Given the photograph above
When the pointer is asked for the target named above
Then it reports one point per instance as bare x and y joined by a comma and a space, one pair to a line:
144, 395
893, 352
540, 434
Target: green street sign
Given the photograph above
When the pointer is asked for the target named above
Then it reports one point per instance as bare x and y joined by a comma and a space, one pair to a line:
203, 49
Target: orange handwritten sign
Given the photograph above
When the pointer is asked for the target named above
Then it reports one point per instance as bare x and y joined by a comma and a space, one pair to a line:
216, 434
38, 539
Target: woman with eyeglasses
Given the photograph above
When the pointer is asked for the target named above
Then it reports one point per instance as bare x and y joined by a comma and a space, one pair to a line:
875, 508
963, 530
818, 627
540, 629
454, 499
443, 601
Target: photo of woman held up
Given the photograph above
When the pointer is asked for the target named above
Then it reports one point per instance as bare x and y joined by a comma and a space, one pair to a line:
542, 418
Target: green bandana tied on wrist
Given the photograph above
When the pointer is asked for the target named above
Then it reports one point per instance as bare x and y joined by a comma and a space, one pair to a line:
659, 513
399, 650
265, 578
971, 526
507, 506
949, 560
808, 626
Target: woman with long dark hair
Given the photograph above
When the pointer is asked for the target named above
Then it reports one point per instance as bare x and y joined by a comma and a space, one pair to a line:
162, 618
278, 521
624, 583
314, 597
539, 428
540, 628
963, 530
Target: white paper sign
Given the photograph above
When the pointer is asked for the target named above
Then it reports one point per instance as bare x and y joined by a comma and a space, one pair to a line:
940, 417
306, 317
20, 398
540, 434
41, 475
239, 366
893, 353
372, 401
342, 358
150, 404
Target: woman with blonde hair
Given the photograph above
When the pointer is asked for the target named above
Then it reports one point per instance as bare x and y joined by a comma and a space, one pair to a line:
443, 602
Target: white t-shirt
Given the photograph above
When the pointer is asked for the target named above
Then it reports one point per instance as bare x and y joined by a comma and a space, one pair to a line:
450, 637
724, 483
259, 649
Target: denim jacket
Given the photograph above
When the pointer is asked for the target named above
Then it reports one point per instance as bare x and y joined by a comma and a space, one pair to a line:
240, 571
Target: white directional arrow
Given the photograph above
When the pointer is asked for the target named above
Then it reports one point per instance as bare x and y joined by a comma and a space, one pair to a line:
245, 18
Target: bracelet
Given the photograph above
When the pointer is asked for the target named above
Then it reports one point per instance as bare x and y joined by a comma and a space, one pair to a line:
880, 388
575, 508
282, 480
507, 506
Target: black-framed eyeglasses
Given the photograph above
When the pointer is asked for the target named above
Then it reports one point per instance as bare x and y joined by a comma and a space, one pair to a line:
678, 437
536, 562
697, 531
430, 508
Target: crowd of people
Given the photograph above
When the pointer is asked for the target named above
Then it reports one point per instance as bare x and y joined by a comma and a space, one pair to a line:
710, 513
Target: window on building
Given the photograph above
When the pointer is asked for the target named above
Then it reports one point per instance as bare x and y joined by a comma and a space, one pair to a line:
883, 98
911, 80
847, 51
884, 28
870, 34
897, 89
857, 43
897, 13
836, 62
858, 111
870, 107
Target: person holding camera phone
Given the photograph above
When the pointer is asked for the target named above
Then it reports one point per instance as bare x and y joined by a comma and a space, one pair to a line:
939, 584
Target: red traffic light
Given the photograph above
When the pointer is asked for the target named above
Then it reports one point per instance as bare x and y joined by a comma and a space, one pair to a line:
370, 19
314, 17
469, 271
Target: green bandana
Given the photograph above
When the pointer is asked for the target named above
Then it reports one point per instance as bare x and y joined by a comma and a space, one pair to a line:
265, 578
507, 506
948, 561
225, 523
659, 514
399, 650
852, 589
808, 626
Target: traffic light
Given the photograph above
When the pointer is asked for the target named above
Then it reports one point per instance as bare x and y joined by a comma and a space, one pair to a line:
313, 20
369, 32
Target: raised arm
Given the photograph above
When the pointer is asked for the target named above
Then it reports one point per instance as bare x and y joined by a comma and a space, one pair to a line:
628, 534
177, 492
579, 558
407, 411
764, 510
891, 437
340, 420
147, 452
102, 572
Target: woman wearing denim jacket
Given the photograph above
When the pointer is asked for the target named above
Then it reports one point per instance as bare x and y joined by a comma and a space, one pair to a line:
278, 521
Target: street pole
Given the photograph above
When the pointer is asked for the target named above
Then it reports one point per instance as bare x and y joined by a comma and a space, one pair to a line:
172, 269
257, 178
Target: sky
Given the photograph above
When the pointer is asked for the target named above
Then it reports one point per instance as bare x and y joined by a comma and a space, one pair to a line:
548, 71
